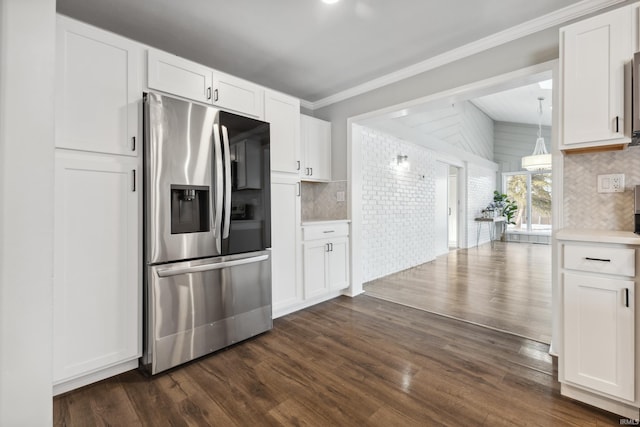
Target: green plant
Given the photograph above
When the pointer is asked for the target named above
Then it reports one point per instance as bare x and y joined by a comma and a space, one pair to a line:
508, 206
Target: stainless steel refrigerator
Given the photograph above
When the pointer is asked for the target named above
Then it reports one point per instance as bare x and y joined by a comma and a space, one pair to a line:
207, 230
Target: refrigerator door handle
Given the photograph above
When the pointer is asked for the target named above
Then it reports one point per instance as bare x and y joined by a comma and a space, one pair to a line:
227, 183
175, 271
217, 152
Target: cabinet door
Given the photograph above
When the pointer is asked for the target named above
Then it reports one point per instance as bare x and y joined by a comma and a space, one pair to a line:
98, 90
316, 137
315, 267
172, 74
599, 334
238, 95
594, 55
283, 113
96, 288
285, 241
338, 264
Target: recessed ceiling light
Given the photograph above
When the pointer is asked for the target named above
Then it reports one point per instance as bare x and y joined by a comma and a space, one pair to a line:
330, 1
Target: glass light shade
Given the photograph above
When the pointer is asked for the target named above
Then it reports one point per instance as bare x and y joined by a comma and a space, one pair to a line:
537, 162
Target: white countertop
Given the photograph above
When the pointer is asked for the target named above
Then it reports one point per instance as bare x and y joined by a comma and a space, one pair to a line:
326, 222
598, 236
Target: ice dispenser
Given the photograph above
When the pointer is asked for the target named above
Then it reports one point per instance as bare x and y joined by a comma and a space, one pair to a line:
189, 209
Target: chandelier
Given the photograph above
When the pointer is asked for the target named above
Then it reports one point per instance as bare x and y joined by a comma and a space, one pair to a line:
540, 159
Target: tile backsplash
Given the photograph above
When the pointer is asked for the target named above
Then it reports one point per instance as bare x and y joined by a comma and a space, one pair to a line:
319, 201
583, 206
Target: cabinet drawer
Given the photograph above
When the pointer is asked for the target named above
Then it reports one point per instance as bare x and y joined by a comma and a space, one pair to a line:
327, 231
618, 261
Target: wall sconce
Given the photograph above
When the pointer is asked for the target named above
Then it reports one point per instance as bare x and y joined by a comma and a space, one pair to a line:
402, 160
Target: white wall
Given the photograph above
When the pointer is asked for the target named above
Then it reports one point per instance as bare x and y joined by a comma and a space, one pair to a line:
27, 37
481, 182
397, 205
519, 54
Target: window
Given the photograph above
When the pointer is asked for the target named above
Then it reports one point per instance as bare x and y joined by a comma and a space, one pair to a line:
532, 193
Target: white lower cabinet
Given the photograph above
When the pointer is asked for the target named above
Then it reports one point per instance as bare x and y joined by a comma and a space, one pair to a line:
96, 292
326, 258
598, 358
286, 271
599, 334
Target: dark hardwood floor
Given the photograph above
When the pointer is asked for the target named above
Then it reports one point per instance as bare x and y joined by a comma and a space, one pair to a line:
346, 362
507, 287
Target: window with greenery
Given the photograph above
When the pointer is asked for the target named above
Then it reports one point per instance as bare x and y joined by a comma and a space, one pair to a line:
532, 193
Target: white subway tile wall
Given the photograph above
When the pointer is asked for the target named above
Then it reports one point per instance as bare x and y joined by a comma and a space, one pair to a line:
398, 205
583, 206
481, 182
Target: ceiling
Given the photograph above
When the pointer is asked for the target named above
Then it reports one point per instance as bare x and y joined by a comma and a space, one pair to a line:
519, 105
307, 48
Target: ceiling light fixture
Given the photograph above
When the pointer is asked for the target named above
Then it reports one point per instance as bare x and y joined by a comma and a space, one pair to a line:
540, 159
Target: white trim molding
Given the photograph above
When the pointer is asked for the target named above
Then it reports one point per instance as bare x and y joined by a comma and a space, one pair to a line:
544, 22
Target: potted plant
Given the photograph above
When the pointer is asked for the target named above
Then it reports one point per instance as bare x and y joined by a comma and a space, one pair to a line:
505, 207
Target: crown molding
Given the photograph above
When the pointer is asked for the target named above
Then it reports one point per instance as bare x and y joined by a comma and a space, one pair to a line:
544, 22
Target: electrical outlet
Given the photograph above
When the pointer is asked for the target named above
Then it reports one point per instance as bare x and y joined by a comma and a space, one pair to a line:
611, 183
340, 196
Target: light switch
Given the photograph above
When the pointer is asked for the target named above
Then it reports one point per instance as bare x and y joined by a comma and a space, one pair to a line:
340, 196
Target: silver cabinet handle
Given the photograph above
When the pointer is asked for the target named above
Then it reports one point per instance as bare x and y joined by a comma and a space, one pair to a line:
597, 259
311, 169
133, 143
134, 180
209, 93
329, 231
298, 191
326, 245
215, 95
174, 271
331, 247
298, 167
617, 124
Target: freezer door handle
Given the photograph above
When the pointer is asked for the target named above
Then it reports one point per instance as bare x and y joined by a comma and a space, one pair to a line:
227, 183
175, 271
217, 150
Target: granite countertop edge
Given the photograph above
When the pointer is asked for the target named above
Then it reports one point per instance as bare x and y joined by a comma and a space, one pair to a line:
598, 236
325, 221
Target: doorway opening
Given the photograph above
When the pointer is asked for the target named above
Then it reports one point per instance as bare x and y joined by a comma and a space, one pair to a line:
463, 178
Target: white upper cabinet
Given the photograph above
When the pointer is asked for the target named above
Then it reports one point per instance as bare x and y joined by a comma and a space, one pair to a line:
232, 93
594, 55
316, 149
283, 114
172, 74
178, 76
98, 89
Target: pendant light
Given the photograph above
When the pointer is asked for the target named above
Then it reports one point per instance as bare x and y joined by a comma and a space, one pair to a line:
540, 159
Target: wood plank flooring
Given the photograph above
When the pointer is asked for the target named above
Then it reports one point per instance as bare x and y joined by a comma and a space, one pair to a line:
507, 287
346, 362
